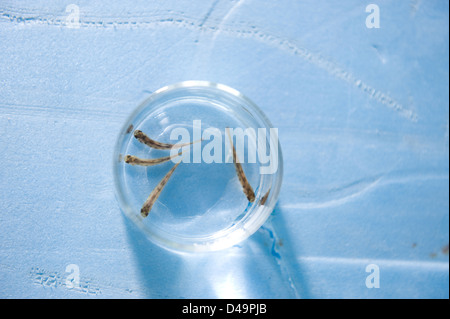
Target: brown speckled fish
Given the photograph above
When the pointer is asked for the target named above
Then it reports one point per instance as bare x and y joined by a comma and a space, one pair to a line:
156, 192
248, 190
144, 139
134, 160
263, 199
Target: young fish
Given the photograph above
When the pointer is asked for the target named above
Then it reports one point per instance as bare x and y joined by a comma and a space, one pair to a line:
248, 190
129, 129
156, 192
143, 138
133, 160
263, 199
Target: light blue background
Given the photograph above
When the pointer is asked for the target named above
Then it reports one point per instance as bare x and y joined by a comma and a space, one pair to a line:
363, 123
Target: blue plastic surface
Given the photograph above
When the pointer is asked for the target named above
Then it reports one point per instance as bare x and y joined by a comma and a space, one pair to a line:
363, 119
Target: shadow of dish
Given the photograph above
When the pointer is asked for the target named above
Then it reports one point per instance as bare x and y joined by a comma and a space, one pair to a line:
259, 267
157, 268
281, 249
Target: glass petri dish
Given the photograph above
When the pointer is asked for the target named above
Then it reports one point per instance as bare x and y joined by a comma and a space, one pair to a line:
203, 205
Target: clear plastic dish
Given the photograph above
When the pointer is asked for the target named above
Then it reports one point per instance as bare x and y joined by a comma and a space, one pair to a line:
203, 206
